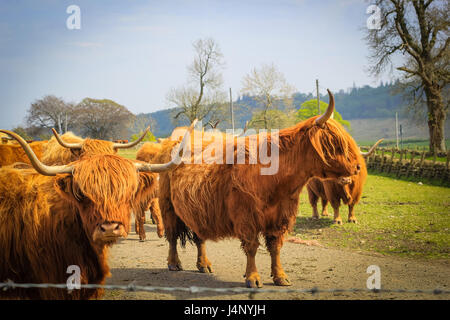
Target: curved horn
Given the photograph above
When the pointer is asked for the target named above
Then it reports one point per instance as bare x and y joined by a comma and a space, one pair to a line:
131, 144
371, 150
66, 144
35, 162
147, 167
323, 118
245, 129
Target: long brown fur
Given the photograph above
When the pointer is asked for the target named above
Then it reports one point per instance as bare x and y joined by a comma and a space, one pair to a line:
212, 202
147, 153
47, 223
11, 153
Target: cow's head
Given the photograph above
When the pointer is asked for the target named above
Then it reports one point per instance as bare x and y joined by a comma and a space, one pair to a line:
102, 188
331, 150
68, 147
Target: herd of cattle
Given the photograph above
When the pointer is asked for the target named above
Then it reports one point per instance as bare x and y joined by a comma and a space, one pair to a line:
67, 200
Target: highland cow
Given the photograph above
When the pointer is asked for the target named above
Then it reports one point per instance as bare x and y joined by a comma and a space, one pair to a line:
215, 201
334, 191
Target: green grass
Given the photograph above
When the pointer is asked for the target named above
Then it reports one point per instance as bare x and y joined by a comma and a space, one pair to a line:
394, 217
128, 153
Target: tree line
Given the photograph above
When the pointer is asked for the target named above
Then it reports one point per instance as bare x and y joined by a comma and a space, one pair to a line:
95, 118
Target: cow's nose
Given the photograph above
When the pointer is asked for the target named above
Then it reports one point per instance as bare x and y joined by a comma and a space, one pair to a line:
110, 229
358, 167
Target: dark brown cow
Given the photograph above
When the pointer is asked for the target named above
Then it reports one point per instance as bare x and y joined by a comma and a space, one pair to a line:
53, 217
215, 201
334, 191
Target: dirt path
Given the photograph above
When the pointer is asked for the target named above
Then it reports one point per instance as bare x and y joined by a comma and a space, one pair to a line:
144, 263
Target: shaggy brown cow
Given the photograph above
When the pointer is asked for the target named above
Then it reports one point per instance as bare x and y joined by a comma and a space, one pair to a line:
215, 201
69, 147
147, 153
66, 215
11, 153
334, 191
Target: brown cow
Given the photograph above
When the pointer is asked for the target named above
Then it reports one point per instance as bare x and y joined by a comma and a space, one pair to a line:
68, 147
215, 201
11, 153
334, 191
147, 153
57, 216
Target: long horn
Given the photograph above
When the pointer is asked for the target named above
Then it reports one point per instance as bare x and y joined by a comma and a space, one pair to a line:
323, 118
131, 144
147, 167
38, 165
66, 144
372, 150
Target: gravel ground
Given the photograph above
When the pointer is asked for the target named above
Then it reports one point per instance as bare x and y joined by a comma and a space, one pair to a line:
144, 263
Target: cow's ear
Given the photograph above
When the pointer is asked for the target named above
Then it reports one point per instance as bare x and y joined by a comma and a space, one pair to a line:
64, 186
148, 185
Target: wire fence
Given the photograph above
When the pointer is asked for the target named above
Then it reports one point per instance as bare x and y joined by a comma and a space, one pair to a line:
10, 285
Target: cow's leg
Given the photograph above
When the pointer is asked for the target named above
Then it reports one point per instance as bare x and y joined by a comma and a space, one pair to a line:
274, 244
173, 262
313, 199
140, 221
337, 217
203, 264
252, 279
351, 213
156, 217
324, 207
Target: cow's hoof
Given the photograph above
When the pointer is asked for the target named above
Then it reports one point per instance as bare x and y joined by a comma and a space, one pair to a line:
253, 284
352, 220
253, 281
282, 282
205, 269
338, 221
141, 240
324, 214
175, 267
315, 217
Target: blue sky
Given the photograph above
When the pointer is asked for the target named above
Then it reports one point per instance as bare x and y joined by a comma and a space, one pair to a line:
134, 52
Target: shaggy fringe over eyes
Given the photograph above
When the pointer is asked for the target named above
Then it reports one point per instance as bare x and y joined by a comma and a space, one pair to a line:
330, 143
106, 179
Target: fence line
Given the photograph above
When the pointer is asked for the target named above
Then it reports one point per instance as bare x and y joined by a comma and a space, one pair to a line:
194, 290
411, 163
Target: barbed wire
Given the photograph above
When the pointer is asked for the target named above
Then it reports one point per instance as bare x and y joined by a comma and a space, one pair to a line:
195, 290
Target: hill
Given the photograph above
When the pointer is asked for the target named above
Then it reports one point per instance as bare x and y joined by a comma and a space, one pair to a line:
355, 104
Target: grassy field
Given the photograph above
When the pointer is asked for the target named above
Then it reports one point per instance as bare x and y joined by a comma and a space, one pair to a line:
394, 217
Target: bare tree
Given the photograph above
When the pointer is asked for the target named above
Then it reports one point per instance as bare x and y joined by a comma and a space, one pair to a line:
50, 112
103, 119
202, 97
419, 30
269, 88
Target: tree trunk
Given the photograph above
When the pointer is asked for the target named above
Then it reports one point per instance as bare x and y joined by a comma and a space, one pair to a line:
436, 119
